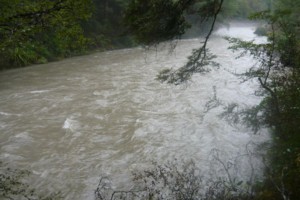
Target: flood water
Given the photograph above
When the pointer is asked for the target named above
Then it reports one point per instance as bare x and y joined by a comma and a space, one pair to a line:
73, 120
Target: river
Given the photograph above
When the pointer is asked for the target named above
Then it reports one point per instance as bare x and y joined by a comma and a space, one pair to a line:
70, 121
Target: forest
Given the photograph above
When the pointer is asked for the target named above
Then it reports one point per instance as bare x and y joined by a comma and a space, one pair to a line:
38, 32
33, 32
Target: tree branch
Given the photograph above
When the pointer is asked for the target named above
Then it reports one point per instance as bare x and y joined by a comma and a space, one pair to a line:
197, 60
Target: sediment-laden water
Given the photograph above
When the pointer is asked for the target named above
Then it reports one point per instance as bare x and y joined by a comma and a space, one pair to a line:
73, 120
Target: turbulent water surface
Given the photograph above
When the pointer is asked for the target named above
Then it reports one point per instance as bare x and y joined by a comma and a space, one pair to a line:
70, 121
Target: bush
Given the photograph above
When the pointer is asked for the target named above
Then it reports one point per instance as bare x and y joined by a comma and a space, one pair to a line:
261, 31
14, 185
180, 180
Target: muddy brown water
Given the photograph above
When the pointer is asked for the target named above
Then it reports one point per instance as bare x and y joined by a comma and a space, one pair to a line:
73, 120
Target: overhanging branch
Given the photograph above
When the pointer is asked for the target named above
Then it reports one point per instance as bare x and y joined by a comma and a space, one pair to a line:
199, 58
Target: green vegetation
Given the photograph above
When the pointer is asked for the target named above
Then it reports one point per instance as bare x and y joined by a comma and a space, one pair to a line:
36, 31
105, 28
174, 180
242, 9
14, 185
279, 76
261, 31
40, 31
154, 21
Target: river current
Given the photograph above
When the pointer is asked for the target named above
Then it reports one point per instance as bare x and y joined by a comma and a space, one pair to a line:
70, 121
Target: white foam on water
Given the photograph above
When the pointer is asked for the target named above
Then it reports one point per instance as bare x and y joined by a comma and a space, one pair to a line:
71, 124
39, 91
5, 114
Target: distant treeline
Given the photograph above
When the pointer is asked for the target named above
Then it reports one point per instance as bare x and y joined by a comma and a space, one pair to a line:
34, 31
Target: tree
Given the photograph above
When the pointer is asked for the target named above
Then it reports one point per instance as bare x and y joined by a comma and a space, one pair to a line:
32, 31
278, 72
107, 17
155, 21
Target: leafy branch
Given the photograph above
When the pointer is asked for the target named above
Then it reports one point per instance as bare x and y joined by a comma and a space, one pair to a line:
200, 57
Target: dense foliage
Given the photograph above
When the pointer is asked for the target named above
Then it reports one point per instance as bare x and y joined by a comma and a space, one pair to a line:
155, 21
36, 31
105, 28
40, 31
242, 9
279, 75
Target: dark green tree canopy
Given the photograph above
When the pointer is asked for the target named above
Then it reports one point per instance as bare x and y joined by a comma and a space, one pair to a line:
30, 30
153, 21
